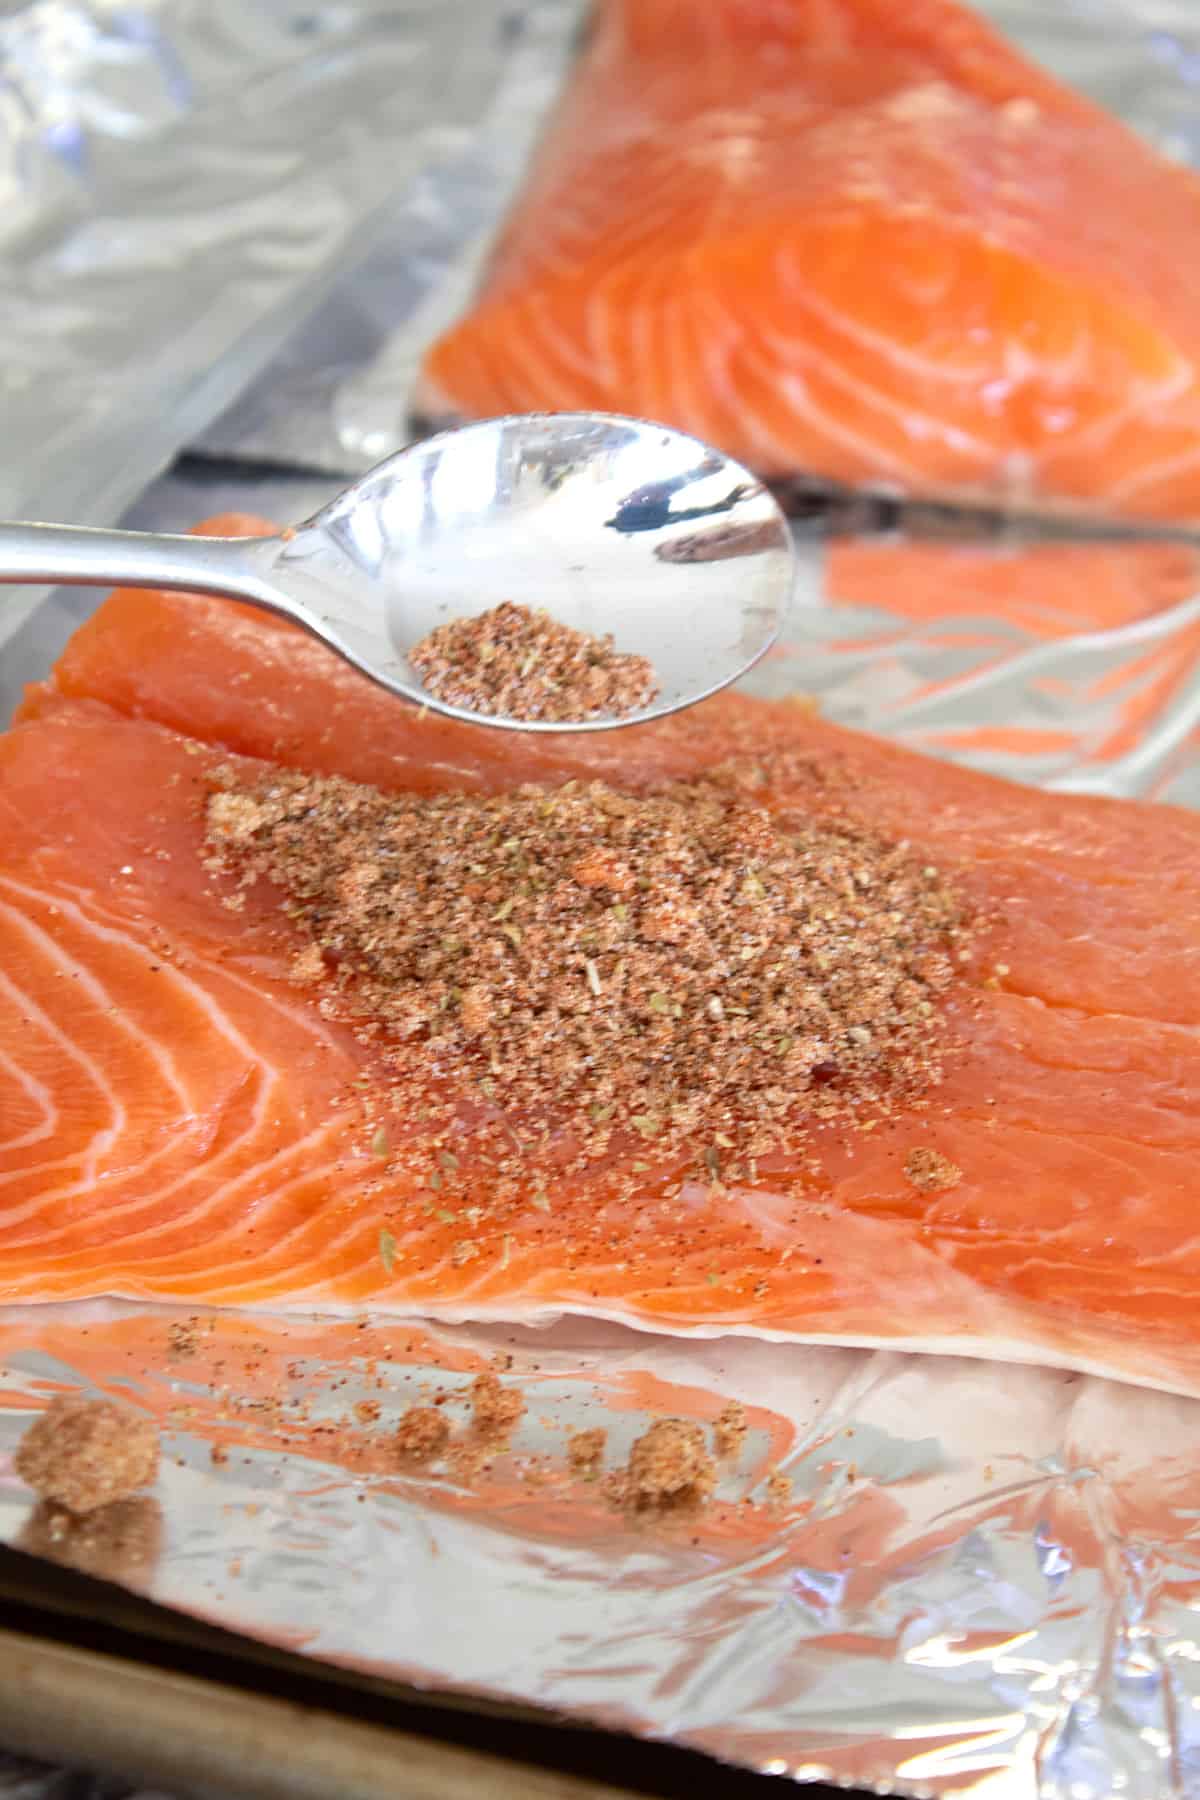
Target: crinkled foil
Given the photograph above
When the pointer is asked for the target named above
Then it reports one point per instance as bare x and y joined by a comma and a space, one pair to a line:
977, 1584
335, 397
182, 181
1025, 692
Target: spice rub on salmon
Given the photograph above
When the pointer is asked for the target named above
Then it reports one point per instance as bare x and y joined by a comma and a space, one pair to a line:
185, 1116
685, 970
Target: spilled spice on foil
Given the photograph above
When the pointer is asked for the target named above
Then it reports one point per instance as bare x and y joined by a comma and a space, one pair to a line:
670, 1469
86, 1454
518, 663
729, 1430
677, 973
585, 1449
421, 1434
495, 1408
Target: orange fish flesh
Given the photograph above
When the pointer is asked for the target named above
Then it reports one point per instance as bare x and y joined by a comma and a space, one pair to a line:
180, 1122
852, 238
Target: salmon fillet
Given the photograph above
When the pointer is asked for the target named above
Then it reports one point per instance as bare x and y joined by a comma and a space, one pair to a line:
178, 1121
855, 238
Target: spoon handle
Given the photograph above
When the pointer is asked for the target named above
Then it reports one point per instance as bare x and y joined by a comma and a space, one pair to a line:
81, 556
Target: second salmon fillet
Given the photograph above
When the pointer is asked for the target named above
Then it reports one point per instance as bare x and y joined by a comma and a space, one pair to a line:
861, 239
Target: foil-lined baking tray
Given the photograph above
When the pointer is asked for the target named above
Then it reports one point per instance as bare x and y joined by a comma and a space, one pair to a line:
985, 1580
182, 181
981, 1583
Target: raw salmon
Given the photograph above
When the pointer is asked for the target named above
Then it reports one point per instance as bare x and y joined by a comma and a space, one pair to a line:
180, 1122
853, 237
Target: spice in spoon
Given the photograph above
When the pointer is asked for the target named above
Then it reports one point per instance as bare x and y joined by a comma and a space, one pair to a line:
514, 662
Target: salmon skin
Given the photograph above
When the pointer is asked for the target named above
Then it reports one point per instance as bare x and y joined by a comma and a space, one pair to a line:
179, 1122
858, 239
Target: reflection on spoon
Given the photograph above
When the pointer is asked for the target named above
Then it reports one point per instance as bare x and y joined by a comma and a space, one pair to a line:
718, 545
649, 508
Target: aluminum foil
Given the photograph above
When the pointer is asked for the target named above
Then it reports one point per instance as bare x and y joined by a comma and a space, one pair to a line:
182, 181
985, 669
977, 1585
335, 397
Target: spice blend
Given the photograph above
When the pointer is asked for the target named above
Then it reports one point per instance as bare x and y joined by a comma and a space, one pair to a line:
670, 1469
930, 1172
585, 1449
86, 1454
494, 1407
729, 1430
570, 975
520, 664
423, 1432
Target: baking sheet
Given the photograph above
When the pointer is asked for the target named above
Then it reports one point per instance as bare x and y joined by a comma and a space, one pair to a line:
104, 1710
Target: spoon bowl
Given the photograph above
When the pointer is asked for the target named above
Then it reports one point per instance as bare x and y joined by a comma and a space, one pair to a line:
614, 526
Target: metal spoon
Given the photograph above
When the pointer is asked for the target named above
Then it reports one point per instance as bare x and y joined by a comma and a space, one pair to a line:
610, 524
